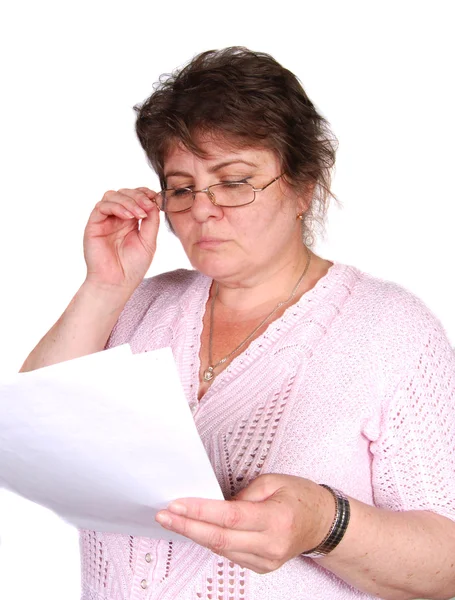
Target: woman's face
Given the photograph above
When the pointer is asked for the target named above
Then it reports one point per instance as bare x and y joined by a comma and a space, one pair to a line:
242, 244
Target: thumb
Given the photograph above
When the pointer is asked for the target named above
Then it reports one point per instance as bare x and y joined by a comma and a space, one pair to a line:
148, 231
262, 488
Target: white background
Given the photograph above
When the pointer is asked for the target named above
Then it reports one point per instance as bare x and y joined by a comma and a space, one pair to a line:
381, 72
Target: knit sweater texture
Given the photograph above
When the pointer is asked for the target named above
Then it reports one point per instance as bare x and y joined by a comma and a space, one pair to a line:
353, 386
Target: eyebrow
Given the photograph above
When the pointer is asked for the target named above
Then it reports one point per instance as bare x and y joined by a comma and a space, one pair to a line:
213, 169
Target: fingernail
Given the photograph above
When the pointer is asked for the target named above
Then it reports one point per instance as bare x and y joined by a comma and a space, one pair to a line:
164, 520
140, 213
177, 508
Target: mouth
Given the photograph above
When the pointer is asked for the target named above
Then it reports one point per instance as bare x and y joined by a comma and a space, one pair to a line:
209, 242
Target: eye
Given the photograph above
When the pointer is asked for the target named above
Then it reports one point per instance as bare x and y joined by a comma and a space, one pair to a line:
179, 192
234, 182
245, 180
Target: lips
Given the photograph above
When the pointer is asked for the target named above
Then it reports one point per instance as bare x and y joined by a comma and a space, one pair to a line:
207, 238
209, 242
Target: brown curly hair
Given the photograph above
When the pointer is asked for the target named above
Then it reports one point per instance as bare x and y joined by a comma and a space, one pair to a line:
250, 100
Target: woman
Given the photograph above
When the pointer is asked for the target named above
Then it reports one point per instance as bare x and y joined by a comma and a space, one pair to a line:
299, 371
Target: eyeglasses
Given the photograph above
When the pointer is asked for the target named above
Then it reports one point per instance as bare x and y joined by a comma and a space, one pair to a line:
227, 194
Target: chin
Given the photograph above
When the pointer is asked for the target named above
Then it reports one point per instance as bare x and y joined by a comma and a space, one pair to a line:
215, 268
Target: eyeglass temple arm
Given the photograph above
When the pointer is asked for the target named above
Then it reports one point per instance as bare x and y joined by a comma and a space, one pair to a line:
266, 186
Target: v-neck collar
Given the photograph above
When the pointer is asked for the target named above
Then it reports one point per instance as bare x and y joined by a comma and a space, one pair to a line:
195, 309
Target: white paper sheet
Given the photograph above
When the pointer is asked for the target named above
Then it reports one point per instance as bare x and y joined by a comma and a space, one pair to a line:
105, 441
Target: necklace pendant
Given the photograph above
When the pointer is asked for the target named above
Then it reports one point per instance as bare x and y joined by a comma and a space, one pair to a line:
208, 374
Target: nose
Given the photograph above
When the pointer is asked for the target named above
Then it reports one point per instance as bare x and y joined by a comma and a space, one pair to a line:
204, 206
210, 194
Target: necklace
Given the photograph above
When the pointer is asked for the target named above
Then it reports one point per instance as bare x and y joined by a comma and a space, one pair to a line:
209, 373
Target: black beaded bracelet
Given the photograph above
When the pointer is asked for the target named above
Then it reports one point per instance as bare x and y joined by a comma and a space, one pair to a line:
338, 527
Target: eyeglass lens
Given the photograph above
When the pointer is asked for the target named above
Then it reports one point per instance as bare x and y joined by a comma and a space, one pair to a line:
225, 194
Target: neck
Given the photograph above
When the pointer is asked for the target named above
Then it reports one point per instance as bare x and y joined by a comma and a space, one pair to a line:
265, 289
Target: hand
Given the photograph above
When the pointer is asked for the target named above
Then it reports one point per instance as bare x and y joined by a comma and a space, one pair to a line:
117, 252
274, 519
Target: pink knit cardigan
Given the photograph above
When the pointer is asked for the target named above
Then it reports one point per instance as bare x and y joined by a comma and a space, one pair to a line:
354, 386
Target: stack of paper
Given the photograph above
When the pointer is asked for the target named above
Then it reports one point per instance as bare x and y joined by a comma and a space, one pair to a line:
105, 441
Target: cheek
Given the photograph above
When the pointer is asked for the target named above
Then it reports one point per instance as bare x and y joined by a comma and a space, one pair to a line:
179, 227
266, 220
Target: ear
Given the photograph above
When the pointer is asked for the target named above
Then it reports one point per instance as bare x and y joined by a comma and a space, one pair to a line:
305, 197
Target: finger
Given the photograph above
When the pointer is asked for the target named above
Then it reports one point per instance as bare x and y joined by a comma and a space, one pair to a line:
126, 199
106, 208
218, 539
148, 192
246, 516
148, 231
251, 550
142, 196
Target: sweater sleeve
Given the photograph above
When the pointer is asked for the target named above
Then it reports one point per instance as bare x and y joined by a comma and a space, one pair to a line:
153, 295
414, 457
132, 314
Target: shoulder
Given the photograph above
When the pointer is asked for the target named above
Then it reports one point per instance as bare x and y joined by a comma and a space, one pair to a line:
377, 301
162, 294
391, 303
166, 285
395, 320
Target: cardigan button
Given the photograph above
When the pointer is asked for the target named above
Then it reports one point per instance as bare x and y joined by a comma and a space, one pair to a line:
144, 584
148, 557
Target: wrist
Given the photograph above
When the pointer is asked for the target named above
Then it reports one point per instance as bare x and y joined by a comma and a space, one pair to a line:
107, 295
338, 526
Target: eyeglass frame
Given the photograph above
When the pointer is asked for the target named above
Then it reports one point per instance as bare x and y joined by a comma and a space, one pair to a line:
212, 196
